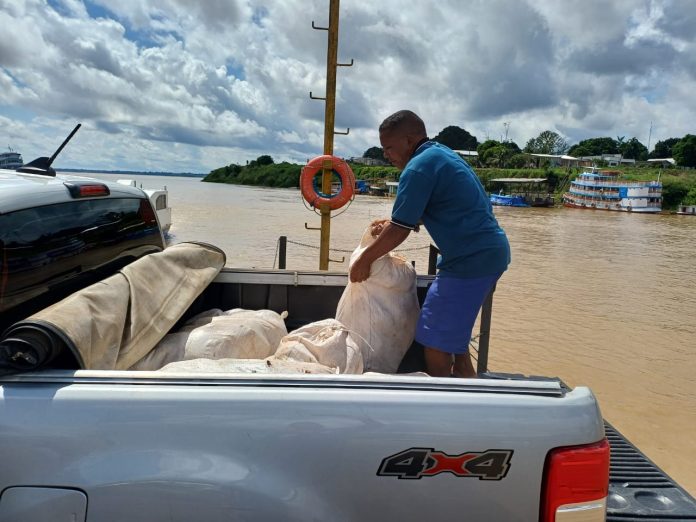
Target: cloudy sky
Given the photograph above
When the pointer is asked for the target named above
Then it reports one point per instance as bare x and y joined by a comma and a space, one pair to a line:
191, 85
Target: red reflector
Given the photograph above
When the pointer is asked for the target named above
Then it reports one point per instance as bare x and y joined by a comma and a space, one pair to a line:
86, 190
93, 190
574, 474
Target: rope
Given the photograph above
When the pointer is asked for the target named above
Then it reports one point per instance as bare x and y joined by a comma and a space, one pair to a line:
314, 209
345, 251
306, 245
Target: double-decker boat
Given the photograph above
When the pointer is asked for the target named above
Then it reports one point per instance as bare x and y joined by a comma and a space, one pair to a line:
604, 190
10, 160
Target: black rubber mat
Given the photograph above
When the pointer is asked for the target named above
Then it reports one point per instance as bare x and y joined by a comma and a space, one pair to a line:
639, 490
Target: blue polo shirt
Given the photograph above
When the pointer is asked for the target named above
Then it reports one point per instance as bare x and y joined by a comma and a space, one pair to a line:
440, 189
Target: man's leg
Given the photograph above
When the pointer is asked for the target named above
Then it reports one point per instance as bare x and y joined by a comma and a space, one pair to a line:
463, 367
438, 363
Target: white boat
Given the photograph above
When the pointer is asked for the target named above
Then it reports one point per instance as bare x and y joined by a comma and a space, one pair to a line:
604, 190
10, 160
686, 210
159, 200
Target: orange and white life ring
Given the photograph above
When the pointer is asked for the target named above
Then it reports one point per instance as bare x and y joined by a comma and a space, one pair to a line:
312, 193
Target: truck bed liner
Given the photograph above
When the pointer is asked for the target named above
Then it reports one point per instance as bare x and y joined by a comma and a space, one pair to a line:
640, 491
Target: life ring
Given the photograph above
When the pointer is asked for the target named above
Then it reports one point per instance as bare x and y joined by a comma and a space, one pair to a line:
314, 196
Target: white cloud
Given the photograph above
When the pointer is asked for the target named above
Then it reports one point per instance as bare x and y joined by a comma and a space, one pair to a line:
182, 85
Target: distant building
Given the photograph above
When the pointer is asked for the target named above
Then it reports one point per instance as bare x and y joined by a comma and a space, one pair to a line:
612, 160
558, 160
370, 162
663, 162
466, 154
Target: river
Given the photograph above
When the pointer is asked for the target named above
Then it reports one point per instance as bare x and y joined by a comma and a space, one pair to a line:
603, 299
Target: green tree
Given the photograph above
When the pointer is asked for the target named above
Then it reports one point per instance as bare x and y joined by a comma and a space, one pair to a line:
512, 147
264, 160
548, 142
674, 191
633, 149
580, 150
690, 198
375, 153
596, 147
261, 161
497, 156
518, 161
663, 149
483, 147
684, 152
456, 138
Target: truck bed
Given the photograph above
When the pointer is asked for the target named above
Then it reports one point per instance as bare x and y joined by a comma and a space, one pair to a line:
639, 490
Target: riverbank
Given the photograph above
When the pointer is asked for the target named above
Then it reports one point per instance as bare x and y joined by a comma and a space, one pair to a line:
678, 186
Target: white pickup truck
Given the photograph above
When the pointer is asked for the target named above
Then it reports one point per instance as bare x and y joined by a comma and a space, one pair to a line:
97, 445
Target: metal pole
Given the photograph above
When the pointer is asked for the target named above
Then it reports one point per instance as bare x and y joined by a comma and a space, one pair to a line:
282, 252
485, 333
432, 259
329, 119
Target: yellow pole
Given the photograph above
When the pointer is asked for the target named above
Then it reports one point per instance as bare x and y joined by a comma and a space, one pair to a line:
329, 120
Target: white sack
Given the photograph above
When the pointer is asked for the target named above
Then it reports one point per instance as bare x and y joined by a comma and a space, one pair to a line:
173, 346
237, 333
269, 365
326, 342
382, 310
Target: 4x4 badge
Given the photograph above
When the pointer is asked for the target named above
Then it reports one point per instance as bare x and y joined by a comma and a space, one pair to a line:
415, 463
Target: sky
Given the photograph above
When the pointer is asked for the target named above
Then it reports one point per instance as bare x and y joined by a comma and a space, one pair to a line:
192, 85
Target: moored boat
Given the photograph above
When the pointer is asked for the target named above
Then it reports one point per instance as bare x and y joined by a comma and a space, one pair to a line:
604, 190
521, 192
159, 199
508, 200
686, 210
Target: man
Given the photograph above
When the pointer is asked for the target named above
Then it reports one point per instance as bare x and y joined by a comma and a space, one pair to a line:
440, 189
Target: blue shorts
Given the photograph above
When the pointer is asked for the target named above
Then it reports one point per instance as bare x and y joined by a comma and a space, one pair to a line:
450, 310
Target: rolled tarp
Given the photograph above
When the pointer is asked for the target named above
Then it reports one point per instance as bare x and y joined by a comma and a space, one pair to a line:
114, 323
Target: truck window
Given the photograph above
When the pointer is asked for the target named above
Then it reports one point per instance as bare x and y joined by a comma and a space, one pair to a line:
45, 246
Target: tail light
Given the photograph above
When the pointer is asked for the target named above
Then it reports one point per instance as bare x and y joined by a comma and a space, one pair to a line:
576, 484
86, 190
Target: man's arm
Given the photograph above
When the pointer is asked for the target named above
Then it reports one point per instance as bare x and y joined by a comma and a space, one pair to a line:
391, 237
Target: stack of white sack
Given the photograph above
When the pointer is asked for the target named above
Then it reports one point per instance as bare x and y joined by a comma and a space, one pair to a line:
237, 334
326, 342
265, 366
382, 311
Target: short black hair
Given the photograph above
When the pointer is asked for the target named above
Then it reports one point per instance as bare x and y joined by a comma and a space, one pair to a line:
404, 119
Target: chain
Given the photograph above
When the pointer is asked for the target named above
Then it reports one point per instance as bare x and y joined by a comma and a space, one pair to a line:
343, 250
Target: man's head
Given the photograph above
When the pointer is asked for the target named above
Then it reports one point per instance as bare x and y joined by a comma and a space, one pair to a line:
399, 134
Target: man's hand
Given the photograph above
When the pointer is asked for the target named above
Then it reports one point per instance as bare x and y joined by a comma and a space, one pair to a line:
389, 237
360, 270
377, 226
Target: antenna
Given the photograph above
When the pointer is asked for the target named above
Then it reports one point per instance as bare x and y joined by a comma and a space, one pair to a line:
649, 136
42, 165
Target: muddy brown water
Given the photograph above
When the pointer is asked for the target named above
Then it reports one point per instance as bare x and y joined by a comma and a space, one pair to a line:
603, 299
